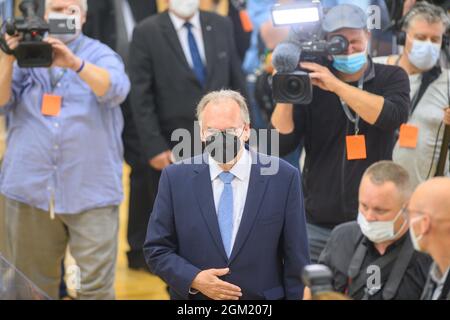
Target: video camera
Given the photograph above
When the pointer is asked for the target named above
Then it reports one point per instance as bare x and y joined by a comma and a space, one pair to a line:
318, 278
32, 51
306, 44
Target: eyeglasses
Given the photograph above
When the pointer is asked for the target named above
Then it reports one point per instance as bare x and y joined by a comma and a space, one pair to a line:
230, 131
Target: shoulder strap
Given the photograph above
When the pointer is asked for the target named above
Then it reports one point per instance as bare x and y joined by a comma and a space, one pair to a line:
398, 271
428, 78
359, 281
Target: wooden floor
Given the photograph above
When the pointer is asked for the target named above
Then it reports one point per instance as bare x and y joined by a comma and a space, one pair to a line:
133, 285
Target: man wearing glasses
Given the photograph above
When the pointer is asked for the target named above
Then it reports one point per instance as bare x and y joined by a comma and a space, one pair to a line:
224, 227
429, 222
373, 258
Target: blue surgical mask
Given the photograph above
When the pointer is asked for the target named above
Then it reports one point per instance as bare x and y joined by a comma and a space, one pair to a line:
350, 64
424, 54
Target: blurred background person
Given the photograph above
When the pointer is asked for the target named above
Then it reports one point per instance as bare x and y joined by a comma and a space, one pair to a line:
189, 53
76, 137
429, 224
420, 141
378, 239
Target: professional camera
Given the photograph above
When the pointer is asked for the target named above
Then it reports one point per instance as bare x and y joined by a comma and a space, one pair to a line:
318, 278
306, 44
32, 51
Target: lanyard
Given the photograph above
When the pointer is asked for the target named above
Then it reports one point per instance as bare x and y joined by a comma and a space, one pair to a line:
354, 119
55, 80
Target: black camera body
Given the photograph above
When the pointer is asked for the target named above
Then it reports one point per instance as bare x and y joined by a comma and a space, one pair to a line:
296, 87
32, 51
307, 43
318, 278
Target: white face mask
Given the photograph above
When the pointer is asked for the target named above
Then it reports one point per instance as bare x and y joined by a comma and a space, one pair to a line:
66, 38
415, 239
379, 231
184, 8
424, 54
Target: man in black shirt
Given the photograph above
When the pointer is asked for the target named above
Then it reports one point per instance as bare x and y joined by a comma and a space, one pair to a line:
357, 107
374, 259
429, 222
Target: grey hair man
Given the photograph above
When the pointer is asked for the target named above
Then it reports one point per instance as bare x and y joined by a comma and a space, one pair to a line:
417, 149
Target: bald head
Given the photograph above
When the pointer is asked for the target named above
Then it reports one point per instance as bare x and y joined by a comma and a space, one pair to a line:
433, 197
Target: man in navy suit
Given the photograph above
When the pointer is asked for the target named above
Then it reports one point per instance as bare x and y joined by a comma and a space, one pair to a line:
225, 225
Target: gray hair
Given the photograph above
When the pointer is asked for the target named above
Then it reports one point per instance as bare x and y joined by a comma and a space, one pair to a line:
387, 171
224, 95
429, 12
83, 4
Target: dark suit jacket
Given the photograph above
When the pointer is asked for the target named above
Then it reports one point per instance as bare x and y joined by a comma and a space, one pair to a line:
271, 246
106, 23
165, 91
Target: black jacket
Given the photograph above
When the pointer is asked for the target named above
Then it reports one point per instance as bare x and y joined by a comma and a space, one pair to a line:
331, 181
404, 282
165, 91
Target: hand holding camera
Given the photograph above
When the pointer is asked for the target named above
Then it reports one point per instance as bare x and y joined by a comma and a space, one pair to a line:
13, 43
63, 57
321, 76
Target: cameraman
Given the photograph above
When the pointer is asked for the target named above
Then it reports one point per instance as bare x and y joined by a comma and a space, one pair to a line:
355, 97
62, 171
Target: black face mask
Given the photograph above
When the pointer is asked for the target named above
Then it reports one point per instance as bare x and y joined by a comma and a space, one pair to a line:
223, 147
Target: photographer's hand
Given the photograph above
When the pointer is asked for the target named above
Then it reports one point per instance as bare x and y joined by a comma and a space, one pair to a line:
6, 70
13, 43
98, 79
321, 76
63, 57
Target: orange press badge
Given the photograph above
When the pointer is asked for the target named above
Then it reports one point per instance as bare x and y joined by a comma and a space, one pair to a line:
51, 105
408, 136
247, 24
356, 147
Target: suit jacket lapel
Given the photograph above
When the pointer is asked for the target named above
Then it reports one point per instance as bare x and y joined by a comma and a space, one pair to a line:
209, 43
256, 190
172, 37
203, 189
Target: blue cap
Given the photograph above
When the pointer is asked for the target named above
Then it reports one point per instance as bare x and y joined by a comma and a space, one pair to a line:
344, 16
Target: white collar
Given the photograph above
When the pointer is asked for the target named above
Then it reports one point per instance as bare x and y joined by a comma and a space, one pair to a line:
240, 170
437, 276
178, 22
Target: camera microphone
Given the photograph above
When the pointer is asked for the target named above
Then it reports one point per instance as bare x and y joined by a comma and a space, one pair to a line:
286, 57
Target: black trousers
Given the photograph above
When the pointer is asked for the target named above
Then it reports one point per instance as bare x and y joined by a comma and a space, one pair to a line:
143, 189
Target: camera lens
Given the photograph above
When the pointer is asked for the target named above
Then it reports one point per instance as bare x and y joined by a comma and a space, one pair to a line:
293, 86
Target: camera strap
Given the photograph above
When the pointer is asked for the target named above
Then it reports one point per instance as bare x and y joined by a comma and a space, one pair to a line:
353, 118
55, 80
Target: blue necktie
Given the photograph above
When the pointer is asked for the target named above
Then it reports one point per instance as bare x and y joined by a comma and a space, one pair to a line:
199, 68
225, 213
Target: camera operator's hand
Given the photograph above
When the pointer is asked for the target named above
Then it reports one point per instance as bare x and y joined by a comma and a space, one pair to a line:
209, 283
447, 116
63, 56
13, 43
161, 161
321, 76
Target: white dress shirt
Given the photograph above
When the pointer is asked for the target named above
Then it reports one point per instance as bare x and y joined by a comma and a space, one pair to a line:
128, 17
182, 32
241, 172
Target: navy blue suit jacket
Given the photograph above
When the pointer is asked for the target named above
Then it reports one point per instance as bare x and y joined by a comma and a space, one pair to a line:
271, 246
